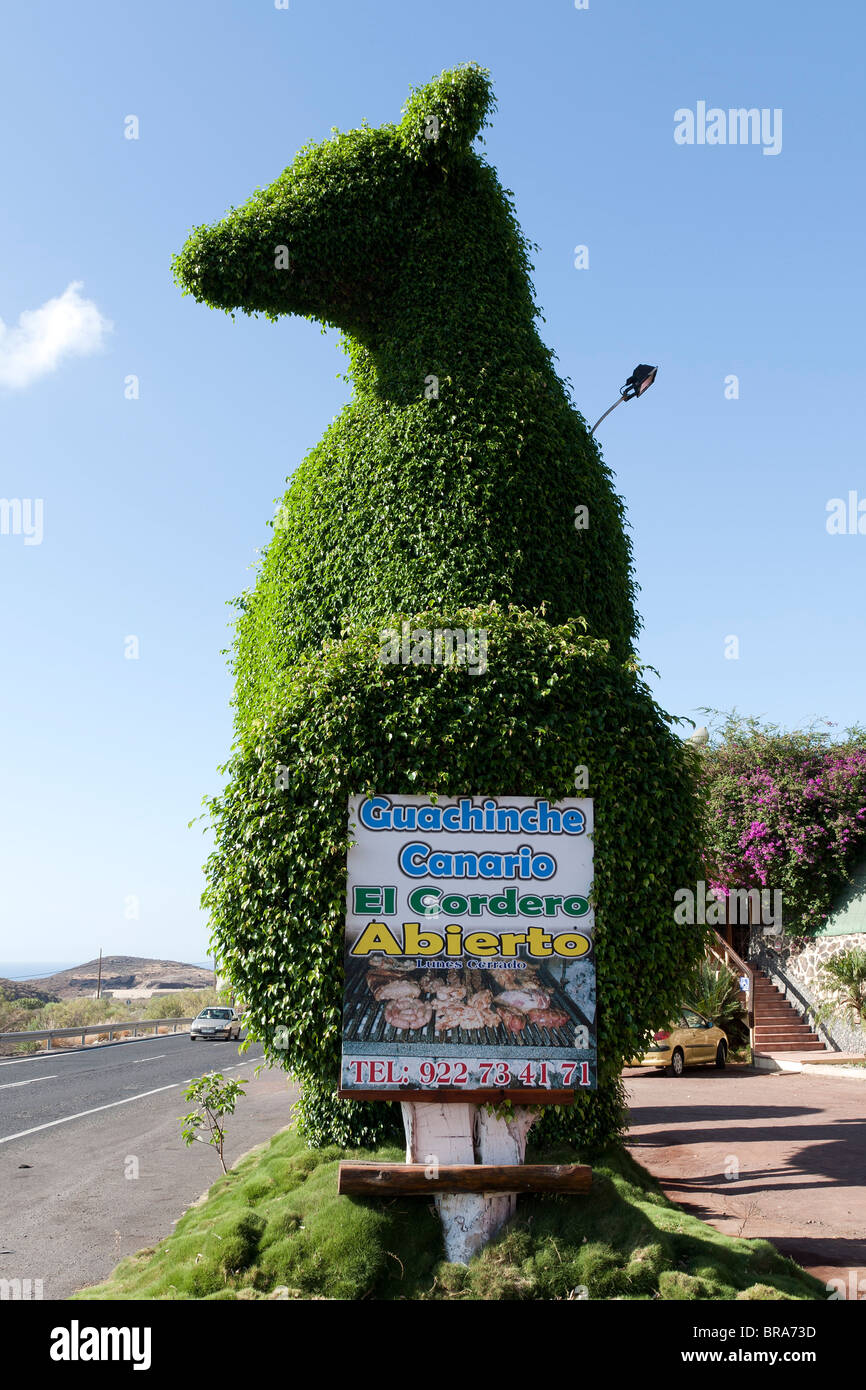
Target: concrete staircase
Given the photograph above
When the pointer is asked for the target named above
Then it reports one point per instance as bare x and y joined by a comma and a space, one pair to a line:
778, 1026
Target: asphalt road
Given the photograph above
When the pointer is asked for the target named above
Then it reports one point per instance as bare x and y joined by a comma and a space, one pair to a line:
92, 1165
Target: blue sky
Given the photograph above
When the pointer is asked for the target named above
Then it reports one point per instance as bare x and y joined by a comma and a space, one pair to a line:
708, 260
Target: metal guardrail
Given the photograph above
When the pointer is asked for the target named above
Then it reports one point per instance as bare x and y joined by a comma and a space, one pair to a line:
95, 1029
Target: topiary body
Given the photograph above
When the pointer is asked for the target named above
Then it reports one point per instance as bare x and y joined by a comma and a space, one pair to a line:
445, 493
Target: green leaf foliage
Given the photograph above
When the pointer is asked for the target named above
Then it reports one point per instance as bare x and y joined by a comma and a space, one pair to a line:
551, 698
444, 493
714, 991
412, 500
843, 979
784, 810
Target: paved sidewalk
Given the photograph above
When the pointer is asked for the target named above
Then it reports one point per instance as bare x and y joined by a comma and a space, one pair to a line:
797, 1144
807, 1061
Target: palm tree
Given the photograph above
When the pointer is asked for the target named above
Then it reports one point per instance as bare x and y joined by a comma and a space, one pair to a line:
844, 979
713, 991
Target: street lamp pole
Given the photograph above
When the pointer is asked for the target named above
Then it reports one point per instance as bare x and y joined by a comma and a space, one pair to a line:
640, 380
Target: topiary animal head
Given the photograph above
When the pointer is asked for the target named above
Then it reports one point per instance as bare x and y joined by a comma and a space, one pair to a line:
404, 239
396, 235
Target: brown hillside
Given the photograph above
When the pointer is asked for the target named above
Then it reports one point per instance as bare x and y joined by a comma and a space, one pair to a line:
122, 973
22, 989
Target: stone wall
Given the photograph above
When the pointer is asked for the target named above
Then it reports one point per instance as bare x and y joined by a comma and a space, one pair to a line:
793, 963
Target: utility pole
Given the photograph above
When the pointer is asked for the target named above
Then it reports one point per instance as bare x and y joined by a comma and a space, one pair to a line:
99, 977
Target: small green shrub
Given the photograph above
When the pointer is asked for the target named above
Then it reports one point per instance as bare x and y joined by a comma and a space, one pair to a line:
675, 1285
239, 1242
72, 1013
764, 1292
183, 1003
214, 1098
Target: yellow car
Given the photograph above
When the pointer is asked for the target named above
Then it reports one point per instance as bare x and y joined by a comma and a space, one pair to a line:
690, 1040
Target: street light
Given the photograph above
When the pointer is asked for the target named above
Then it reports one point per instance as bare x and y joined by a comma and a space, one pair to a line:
640, 380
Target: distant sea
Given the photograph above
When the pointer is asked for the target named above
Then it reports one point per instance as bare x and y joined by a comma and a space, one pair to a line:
26, 969
29, 969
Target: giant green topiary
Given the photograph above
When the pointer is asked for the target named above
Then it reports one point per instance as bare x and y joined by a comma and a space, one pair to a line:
444, 493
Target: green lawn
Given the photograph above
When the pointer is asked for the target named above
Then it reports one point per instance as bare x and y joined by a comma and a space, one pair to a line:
275, 1228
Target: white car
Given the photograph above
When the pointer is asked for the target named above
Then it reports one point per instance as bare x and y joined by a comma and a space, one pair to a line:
216, 1021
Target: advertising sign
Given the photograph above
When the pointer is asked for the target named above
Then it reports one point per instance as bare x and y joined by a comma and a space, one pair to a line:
469, 945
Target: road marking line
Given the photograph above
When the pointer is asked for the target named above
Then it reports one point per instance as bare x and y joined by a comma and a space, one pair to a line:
81, 1113
32, 1081
57, 1054
138, 1061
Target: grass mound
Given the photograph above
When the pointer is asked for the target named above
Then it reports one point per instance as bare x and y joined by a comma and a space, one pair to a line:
275, 1228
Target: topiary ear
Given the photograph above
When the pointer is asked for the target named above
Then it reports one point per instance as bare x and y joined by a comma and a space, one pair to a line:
442, 118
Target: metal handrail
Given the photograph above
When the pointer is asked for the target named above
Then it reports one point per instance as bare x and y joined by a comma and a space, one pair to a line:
808, 1010
722, 951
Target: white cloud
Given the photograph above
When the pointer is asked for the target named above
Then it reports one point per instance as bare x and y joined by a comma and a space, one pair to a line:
67, 326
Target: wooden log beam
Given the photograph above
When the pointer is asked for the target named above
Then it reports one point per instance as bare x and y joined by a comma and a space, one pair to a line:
418, 1179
